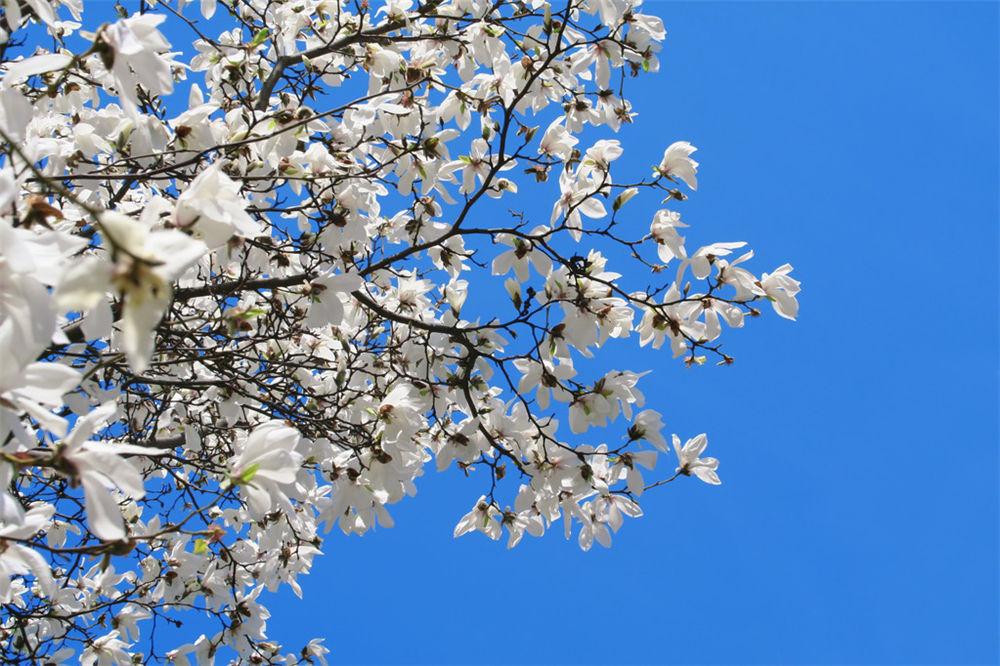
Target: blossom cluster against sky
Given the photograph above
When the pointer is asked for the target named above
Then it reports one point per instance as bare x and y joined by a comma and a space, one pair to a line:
857, 520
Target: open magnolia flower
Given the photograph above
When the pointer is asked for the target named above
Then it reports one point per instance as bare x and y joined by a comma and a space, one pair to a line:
267, 461
34, 389
134, 51
212, 208
690, 463
138, 264
18, 559
677, 163
99, 467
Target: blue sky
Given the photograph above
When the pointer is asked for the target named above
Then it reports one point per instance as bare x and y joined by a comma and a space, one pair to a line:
858, 518
857, 521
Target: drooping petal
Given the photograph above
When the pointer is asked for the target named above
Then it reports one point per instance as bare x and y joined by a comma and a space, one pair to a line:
104, 517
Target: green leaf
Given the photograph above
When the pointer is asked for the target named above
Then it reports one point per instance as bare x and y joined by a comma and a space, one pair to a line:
252, 313
645, 65
200, 547
260, 37
249, 473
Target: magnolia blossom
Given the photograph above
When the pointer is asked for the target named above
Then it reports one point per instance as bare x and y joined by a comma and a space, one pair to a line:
108, 650
98, 466
11, 511
213, 209
600, 156
702, 260
523, 253
780, 289
30, 262
35, 389
647, 426
690, 463
267, 461
670, 244
557, 141
135, 55
16, 559
577, 199
142, 266
677, 163
482, 518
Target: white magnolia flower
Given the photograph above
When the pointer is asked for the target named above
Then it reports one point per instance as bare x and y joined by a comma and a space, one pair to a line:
20, 70
677, 163
17, 559
690, 463
669, 243
27, 318
702, 260
517, 524
107, 650
647, 426
523, 253
482, 518
213, 209
545, 376
781, 289
35, 388
626, 467
600, 156
577, 199
138, 57
592, 527
329, 293
15, 109
143, 264
613, 507
266, 461
203, 649
11, 511
557, 141
98, 466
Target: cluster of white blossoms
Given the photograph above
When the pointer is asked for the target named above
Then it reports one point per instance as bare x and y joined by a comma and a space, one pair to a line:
242, 298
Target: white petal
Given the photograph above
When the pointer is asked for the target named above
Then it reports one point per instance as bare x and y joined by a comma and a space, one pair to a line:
142, 314
18, 71
695, 447
47, 382
104, 518
707, 475
34, 561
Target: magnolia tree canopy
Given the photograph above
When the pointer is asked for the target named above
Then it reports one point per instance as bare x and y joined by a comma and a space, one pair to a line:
243, 298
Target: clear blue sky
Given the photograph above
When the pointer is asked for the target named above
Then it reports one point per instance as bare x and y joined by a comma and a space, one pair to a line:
857, 521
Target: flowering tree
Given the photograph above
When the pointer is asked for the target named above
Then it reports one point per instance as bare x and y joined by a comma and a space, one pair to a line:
235, 321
